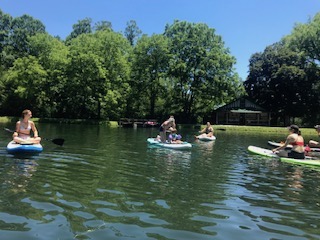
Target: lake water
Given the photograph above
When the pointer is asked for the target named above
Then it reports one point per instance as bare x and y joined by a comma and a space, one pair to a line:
107, 183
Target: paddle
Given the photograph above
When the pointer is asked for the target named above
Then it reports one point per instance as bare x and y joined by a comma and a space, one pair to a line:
58, 141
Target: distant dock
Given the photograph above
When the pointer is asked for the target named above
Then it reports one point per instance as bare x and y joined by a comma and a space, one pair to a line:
134, 122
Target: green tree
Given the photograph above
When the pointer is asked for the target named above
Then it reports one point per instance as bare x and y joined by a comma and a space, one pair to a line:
81, 27
132, 32
150, 66
278, 81
24, 84
103, 25
21, 29
305, 40
5, 27
85, 86
52, 54
99, 66
115, 51
202, 70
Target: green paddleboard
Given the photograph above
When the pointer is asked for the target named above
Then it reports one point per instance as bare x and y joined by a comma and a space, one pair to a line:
315, 163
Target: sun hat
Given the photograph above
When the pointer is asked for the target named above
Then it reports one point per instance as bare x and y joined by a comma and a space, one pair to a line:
317, 126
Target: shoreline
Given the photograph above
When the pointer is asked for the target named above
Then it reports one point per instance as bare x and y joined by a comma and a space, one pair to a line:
217, 128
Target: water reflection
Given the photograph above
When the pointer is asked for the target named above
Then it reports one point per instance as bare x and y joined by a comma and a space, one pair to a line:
109, 184
18, 173
206, 148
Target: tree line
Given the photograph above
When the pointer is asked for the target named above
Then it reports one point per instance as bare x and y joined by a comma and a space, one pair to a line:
284, 78
98, 73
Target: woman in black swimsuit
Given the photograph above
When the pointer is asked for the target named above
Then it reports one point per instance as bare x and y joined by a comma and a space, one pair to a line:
207, 131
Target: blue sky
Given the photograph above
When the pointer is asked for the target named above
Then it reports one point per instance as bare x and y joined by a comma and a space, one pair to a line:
246, 26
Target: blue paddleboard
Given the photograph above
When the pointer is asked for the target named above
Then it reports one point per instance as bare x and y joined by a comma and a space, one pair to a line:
14, 147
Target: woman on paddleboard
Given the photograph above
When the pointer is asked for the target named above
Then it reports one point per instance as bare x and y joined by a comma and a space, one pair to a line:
206, 132
313, 143
167, 125
23, 129
296, 140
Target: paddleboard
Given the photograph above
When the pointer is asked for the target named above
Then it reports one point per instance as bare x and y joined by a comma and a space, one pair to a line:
262, 152
155, 142
301, 161
206, 139
268, 153
276, 144
14, 147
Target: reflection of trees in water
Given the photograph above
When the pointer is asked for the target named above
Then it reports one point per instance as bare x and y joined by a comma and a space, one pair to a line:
182, 182
206, 148
295, 180
18, 174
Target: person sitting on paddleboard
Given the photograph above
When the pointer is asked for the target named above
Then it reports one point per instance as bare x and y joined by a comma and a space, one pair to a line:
174, 137
166, 126
313, 143
296, 140
207, 131
23, 129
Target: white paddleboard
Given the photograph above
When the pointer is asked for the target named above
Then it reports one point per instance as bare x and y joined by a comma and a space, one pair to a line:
276, 144
184, 145
206, 139
262, 151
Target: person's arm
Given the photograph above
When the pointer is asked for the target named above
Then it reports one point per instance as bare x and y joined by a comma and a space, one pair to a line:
203, 130
16, 133
287, 142
34, 129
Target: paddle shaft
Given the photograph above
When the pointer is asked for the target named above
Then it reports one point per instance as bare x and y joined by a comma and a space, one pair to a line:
58, 141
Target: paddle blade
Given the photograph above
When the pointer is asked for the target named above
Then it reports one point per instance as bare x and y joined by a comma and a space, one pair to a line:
58, 141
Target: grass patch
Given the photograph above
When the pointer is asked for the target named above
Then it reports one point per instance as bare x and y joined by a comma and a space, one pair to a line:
228, 128
8, 119
259, 129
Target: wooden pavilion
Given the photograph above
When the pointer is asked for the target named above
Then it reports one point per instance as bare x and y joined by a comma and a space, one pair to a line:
242, 112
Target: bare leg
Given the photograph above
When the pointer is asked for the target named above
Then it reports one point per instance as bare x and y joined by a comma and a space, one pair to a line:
29, 140
314, 143
163, 136
210, 134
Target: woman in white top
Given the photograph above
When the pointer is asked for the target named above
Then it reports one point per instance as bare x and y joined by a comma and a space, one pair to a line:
23, 129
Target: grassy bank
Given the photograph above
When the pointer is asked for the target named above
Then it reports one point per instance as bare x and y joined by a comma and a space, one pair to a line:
229, 128
259, 129
7, 119
62, 120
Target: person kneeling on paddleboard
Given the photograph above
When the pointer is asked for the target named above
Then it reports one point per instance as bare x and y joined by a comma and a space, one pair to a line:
296, 140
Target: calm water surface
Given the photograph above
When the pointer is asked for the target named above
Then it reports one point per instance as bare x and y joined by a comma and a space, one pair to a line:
107, 183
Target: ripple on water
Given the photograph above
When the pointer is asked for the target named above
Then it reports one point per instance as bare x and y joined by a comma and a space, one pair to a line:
116, 187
